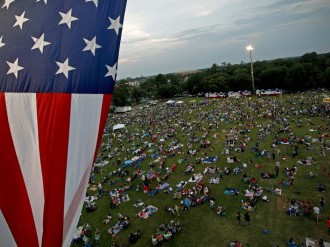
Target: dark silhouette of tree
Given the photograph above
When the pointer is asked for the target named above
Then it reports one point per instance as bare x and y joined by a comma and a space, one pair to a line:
309, 71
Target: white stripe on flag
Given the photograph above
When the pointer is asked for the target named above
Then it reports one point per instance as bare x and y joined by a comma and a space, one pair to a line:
75, 210
22, 117
84, 128
6, 238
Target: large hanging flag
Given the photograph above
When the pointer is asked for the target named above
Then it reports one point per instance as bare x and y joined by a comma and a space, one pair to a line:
58, 66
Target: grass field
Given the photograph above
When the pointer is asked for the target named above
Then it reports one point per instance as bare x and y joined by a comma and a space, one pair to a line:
201, 226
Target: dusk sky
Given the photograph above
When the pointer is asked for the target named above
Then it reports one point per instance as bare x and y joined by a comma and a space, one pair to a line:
162, 36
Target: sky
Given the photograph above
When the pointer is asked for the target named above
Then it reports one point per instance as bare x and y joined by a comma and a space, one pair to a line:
164, 36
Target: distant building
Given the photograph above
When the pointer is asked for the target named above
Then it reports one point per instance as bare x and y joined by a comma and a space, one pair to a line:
133, 83
187, 72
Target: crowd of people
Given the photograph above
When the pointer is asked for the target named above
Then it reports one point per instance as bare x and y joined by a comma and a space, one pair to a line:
209, 142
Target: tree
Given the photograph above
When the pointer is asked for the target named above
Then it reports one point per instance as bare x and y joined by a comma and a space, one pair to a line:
121, 95
194, 84
325, 78
167, 90
300, 73
160, 79
273, 77
137, 94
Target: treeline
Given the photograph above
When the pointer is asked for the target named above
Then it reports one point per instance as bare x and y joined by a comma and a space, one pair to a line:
309, 71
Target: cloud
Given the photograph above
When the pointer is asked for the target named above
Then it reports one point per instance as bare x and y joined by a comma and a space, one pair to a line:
170, 35
195, 32
134, 32
128, 60
200, 8
298, 6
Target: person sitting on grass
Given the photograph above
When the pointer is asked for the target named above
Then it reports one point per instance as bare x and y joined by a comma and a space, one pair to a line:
170, 210
167, 235
328, 224
212, 201
134, 237
154, 241
97, 235
91, 206
285, 183
235, 244
221, 210
107, 219
245, 178
291, 243
87, 228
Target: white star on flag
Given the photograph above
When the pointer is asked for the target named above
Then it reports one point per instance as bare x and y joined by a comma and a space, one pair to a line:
115, 24
67, 18
20, 20
112, 71
14, 67
40, 43
64, 68
7, 3
44, 1
1, 43
96, 2
91, 45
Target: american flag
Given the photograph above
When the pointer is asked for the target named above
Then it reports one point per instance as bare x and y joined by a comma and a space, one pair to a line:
58, 66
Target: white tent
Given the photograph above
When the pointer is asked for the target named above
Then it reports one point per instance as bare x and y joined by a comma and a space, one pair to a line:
179, 103
170, 102
118, 126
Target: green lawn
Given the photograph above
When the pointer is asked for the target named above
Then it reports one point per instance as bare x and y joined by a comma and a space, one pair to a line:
201, 226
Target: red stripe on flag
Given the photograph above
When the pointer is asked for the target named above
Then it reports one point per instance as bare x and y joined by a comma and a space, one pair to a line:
76, 202
53, 125
107, 99
14, 199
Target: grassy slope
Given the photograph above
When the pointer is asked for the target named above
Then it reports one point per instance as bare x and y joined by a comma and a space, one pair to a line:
201, 226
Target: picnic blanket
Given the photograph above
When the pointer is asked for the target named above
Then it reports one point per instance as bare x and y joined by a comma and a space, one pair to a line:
229, 160
93, 188
214, 180
115, 229
181, 184
123, 198
249, 193
153, 192
267, 175
154, 156
180, 161
198, 177
89, 199
128, 162
231, 191
163, 186
116, 200
210, 159
151, 175
314, 243
187, 202
77, 234
305, 162
147, 212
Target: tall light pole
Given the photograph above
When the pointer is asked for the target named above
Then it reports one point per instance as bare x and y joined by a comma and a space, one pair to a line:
250, 48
